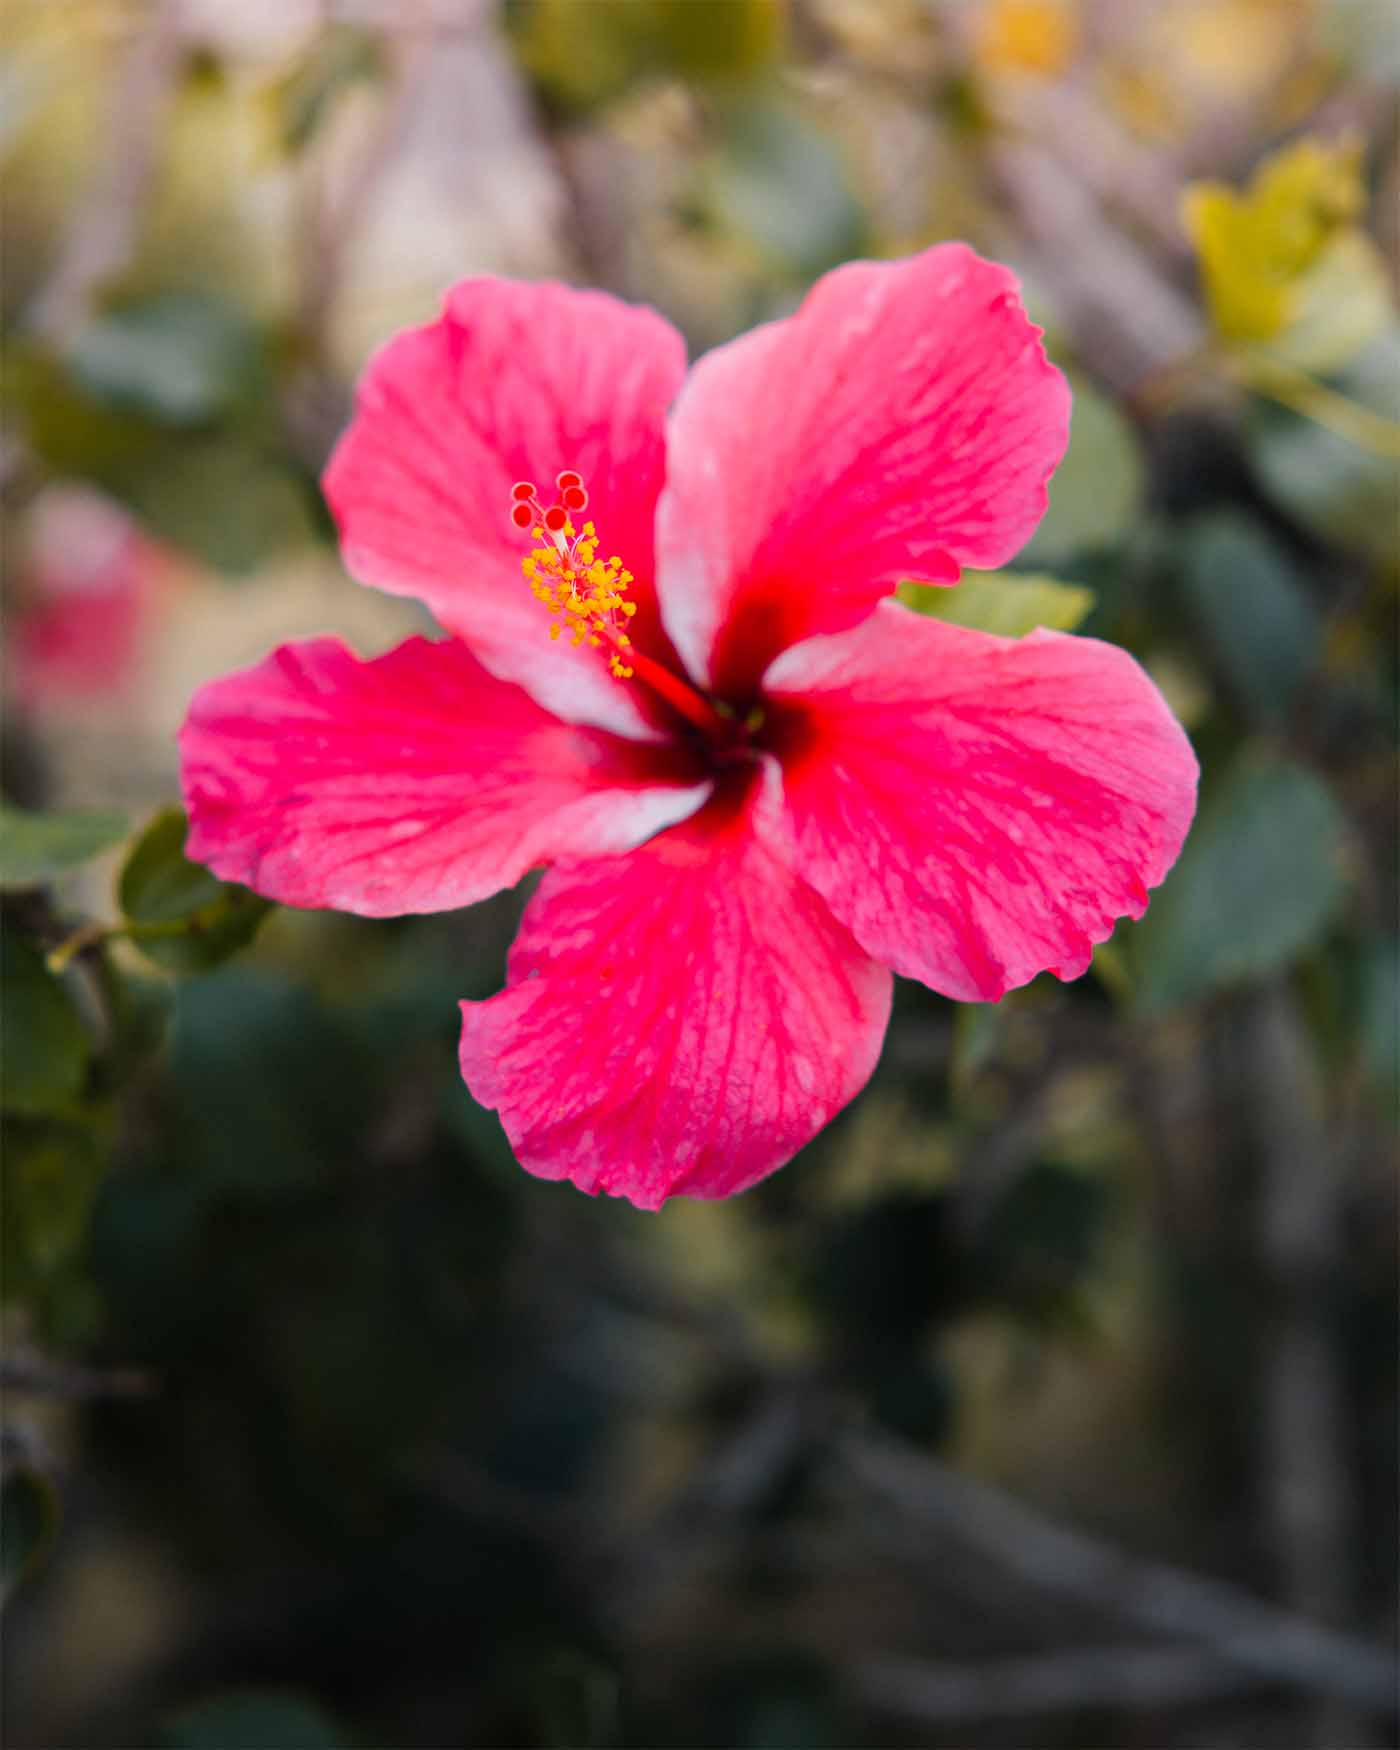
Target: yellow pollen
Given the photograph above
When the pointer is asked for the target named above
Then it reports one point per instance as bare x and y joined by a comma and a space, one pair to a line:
585, 595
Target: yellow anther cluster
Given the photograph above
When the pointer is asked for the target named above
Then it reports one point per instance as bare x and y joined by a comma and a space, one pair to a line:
587, 595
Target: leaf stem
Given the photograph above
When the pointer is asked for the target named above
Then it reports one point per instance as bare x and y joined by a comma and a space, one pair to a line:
1295, 389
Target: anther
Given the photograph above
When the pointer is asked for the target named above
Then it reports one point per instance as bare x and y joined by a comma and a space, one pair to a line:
586, 595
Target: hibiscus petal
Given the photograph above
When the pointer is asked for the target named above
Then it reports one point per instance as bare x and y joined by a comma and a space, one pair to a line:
412, 782
681, 1020
977, 809
902, 424
513, 382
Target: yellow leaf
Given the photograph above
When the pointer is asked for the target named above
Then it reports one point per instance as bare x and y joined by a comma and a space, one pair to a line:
1273, 255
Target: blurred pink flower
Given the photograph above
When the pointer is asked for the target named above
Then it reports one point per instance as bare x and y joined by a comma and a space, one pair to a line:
760, 784
86, 588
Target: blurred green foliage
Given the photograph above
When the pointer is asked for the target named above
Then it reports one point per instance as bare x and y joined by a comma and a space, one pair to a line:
35, 848
581, 58
425, 1451
1007, 603
255, 1721
184, 918
47, 1045
1259, 883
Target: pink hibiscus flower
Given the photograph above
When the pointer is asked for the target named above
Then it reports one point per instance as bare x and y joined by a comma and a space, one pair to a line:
673, 676
88, 591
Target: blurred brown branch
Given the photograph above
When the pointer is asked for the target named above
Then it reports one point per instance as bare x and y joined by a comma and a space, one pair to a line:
1259, 1637
1082, 1677
332, 221
51, 1379
1117, 307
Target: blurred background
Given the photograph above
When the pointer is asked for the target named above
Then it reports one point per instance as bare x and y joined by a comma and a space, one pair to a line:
1049, 1397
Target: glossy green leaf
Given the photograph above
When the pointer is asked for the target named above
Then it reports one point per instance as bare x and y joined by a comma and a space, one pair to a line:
1258, 882
253, 1719
1252, 606
46, 1045
29, 1515
1008, 603
159, 884
35, 848
181, 916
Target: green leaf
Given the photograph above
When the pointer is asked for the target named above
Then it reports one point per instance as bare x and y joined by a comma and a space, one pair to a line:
1009, 603
1251, 604
1096, 492
51, 1173
209, 936
35, 848
1258, 882
181, 359
46, 1045
181, 916
159, 884
29, 1515
253, 1719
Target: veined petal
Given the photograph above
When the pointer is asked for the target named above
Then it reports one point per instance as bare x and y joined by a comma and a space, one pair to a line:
412, 782
681, 1020
513, 382
977, 809
902, 424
